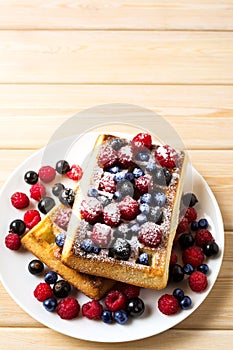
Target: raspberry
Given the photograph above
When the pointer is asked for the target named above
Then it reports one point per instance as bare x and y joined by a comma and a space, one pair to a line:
198, 281
31, 218
37, 191
63, 218
166, 156
125, 156
144, 184
101, 235
68, 308
47, 173
12, 241
182, 226
19, 200
191, 214
91, 209
193, 256
168, 304
115, 300
129, 290
150, 234
107, 156
112, 214
129, 208
92, 310
107, 183
203, 236
75, 173
173, 258
43, 291
142, 140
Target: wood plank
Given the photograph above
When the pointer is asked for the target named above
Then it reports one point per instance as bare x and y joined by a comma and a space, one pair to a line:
121, 14
116, 57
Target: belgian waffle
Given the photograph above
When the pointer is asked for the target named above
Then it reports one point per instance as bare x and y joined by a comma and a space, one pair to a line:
120, 256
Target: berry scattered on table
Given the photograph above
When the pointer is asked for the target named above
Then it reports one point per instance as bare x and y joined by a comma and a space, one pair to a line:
20, 200
47, 173
37, 191
13, 241
31, 218
68, 308
198, 282
36, 267
92, 310
31, 177
43, 291
18, 226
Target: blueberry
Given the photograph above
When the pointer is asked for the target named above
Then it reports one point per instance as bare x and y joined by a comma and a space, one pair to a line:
178, 294
46, 204
150, 167
146, 198
31, 177
60, 239
129, 176
143, 259
135, 307
51, 277
159, 199
203, 223
177, 273
50, 304
194, 226
210, 249
137, 172
35, 267
87, 245
114, 169
134, 229
93, 192
120, 316
186, 303
18, 226
188, 269
67, 196
143, 156
186, 240
104, 200
168, 176
159, 177
189, 199
144, 208
141, 219
126, 188
120, 249
61, 289
57, 188
117, 144
203, 268
62, 167
106, 316
119, 177
155, 215
121, 231
96, 249
117, 196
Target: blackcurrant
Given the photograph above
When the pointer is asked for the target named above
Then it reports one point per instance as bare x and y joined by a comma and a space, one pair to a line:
31, 177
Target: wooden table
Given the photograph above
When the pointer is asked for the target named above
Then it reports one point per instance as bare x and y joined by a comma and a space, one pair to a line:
58, 57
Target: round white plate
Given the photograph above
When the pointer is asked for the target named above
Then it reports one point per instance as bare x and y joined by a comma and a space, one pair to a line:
20, 284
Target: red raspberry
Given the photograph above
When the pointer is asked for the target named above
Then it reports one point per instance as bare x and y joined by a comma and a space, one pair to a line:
191, 214
168, 304
68, 308
150, 234
47, 173
31, 218
92, 310
107, 156
91, 210
166, 156
115, 300
129, 290
182, 226
37, 191
203, 236
198, 281
142, 140
13, 241
107, 183
173, 258
129, 208
193, 256
125, 156
75, 173
43, 291
19, 200
101, 235
144, 184
112, 214
63, 218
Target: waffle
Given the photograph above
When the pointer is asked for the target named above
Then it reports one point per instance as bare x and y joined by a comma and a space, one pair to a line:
125, 249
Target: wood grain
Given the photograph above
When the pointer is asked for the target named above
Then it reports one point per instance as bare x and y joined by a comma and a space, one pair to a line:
116, 57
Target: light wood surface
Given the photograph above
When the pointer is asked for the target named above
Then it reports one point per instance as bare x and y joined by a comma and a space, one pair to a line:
58, 57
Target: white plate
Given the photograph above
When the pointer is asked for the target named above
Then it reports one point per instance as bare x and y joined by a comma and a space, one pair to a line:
20, 283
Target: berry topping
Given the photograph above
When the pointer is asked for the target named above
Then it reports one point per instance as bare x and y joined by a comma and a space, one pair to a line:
159, 177
129, 176
50, 277
193, 256
120, 249
168, 176
35, 267
189, 199
20, 200
143, 156
146, 198
203, 223
111, 214
120, 316
176, 273
31, 218
129, 290
203, 236
125, 156
168, 304
166, 156
155, 215
62, 167
210, 249
31, 177
106, 316
135, 307
87, 245
75, 173
141, 219
12, 241
150, 167
57, 188
92, 310
129, 208
101, 235
159, 199
188, 269
61, 289
185, 240
144, 208
182, 226
115, 300
191, 214
137, 172
173, 258
46, 204
63, 218
18, 226
91, 209
93, 192
144, 184
119, 177
43, 291
107, 156
198, 281
67, 197
203, 268
142, 140
47, 173
186, 302
178, 294
60, 239
150, 234
117, 144
107, 183
50, 304
126, 188
37, 191
68, 308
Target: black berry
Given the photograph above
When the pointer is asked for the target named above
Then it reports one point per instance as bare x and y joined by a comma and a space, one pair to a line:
35, 267
46, 204
135, 307
117, 144
61, 289
120, 249
31, 177
177, 273
18, 226
210, 249
57, 188
186, 240
62, 167
168, 176
189, 199
66, 197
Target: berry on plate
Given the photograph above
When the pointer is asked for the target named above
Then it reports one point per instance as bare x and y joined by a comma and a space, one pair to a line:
47, 173
43, 291
19, 200
135, 307
92, 310
17, 226
168, 304
68, 308
31, 218
166, 156
182, 226
120, 316
46, 204
37, 191
198, 281
35, 267
75, 173
62, 167
61, 289
191, 214
13, 241
203, 236
128, 289
31, 177
115, 300
193, 255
